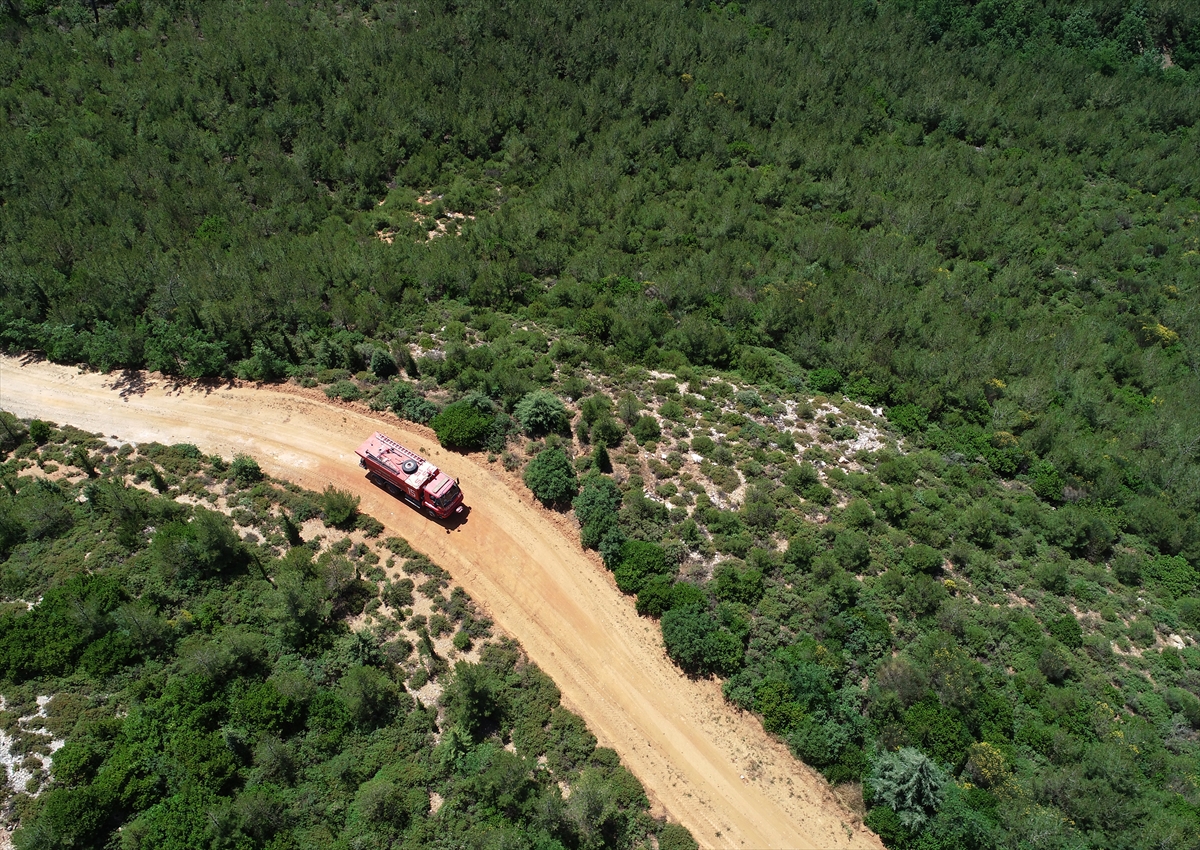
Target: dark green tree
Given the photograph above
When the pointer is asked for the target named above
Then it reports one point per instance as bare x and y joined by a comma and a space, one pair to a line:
601, 460
39, 431
471, 698
646, 429
551, 477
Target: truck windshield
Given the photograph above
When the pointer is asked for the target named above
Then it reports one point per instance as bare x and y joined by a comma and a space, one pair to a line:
447, 498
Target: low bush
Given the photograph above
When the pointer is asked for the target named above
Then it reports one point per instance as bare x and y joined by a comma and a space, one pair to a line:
403, 400
245, 471
344, 391
338, 507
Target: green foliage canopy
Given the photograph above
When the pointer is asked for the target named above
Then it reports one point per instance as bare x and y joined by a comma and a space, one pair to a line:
540, 413
461, 426
551, 477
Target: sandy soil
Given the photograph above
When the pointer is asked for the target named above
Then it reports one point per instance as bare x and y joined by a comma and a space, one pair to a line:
710, 767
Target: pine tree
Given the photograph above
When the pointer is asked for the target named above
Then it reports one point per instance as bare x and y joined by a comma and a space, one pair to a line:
909, 783
601, 459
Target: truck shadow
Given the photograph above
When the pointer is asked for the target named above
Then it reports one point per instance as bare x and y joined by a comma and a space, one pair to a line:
455, 522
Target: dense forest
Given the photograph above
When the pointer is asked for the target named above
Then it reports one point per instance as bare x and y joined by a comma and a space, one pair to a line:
861, 336
983, 214
185, 676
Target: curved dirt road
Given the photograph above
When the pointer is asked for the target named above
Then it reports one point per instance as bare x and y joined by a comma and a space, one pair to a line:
710, 767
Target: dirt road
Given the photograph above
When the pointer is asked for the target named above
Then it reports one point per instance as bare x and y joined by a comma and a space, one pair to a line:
710, 767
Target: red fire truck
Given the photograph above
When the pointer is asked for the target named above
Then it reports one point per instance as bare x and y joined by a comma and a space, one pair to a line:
404, 473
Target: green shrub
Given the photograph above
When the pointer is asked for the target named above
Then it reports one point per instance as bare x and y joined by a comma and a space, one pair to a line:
596, 505
697, 643
646, 429
654, 596
551, 477
629, 408
541, 412
1189, 610
369, 526
608, 432
639, 561
858, 514
462, 426
675, 837
684, 593
920, 558
338, 507
1171, 574
800, 552
818, 494
370, 696
852, 550
908, 418
40, 431
1127, 567
1047, 483
672, 411
733, 583
923, 595
801, 476
245, 470
398, 594
1055, 663
382, 364
899, 470
1141, 632
262, 365
595, 408
344, 390
574, 387
403, 400
825, 380
759, 510
610, 545
13, 432
601, 460
1054, 578
1067, 631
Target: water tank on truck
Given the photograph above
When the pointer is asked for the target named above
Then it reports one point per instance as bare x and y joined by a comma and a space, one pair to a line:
404, 473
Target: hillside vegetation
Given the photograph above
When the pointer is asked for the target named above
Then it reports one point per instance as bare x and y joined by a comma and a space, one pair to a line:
989, 656
178, 670
861, 337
